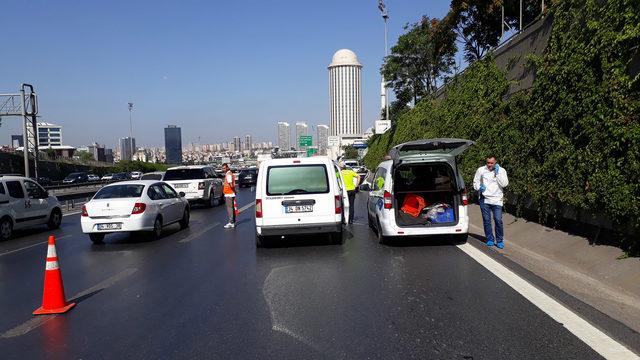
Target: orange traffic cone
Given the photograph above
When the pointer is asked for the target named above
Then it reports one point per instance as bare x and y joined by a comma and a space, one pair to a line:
235, 207
53, 300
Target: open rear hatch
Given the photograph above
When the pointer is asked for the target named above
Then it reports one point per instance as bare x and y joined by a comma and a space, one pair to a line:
426, 188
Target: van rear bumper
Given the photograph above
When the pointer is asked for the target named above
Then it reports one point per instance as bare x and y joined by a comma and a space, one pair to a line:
298, 229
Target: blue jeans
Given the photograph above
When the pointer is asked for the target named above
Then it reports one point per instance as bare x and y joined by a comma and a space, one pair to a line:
496, 210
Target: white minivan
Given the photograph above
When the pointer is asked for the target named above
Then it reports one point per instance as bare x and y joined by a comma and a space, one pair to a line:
420, 191
300, 196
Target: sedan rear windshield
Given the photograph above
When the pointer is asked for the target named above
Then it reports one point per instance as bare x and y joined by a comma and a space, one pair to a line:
184, 174
297, 179
120, 191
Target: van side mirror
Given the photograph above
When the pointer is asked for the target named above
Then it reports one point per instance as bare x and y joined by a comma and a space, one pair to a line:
365, 187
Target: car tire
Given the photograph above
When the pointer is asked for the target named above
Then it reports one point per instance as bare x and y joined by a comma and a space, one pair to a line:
337, 238
156, 233
97, 239
384, 240
184, 222
55, 219
6, 228
261, 241
211, 202
370, 222
459, 238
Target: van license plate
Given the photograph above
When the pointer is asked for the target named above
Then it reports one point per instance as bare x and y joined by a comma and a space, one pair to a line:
299, 208
114, 226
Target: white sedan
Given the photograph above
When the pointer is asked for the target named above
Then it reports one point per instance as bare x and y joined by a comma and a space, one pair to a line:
131, 206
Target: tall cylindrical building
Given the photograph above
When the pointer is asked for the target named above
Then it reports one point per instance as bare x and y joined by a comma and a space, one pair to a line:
345, 92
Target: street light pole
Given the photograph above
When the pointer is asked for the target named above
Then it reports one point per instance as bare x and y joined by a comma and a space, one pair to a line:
385, 16
130, 132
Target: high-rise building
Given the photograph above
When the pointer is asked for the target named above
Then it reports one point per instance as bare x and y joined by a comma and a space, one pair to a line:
173, 144
126, 145
284, 136
322, 138
248, 143
345, 93
237, 143
49, 135
301, 129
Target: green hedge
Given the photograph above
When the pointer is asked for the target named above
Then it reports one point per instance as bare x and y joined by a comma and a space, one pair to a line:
574, 137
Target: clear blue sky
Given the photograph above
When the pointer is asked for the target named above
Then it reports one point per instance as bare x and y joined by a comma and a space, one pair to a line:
217, 69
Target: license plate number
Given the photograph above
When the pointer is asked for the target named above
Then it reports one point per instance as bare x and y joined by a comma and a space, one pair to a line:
180, 186
114, 226
299, 208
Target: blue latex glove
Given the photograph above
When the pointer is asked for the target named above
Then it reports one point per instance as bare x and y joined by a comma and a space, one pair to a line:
496, 169
482, 188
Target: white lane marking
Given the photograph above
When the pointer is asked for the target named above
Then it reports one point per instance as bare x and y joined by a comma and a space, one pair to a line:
594, 338
246, 207
36, 322
72, 213
607, 292
32, 245
199, 233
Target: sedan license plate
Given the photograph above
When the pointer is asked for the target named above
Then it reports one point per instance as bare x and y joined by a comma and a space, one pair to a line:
299, 208
181, 186
114, 226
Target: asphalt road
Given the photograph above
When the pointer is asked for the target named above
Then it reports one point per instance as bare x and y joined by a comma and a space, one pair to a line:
207, 292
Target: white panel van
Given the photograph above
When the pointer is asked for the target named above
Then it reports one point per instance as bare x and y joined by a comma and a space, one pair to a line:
300, 196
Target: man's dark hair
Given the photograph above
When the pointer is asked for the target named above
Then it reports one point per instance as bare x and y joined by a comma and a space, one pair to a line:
491, 156
225, 164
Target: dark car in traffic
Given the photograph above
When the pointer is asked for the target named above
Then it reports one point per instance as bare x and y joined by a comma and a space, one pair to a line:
248, 177
76, 178
120, 176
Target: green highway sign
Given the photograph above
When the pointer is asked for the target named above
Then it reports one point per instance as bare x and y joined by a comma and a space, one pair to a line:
305, 140
311, 152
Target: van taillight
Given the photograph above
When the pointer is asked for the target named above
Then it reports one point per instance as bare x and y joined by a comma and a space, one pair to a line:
258, 208
201, 185
338, 204
465, 197
84, 211
387, 200
138, 208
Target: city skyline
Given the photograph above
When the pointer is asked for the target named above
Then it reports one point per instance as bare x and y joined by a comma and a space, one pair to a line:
119, 58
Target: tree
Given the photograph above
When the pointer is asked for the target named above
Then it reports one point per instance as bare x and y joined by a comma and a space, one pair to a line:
421, 57
478, 22
349, 152
84, 156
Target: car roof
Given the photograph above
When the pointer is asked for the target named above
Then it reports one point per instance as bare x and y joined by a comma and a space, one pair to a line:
134, 182
13, 177
188, 167
298, 161
154, 172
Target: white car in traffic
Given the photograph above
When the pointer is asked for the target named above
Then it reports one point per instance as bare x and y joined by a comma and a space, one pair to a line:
134, 206
200, 183
24, 203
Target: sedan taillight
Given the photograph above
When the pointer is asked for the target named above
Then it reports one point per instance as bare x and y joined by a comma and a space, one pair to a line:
84, 211
138, 208
258, 208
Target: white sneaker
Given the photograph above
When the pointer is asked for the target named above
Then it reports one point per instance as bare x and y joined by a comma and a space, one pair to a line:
233, 226
228, 226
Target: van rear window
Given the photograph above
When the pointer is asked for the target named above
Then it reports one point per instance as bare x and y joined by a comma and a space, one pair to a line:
297, 179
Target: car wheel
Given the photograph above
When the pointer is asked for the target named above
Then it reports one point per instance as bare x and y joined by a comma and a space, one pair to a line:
459, 238
157, 229
6, 228
381, 238
97, 238
336, 238
370, 222
261, 241
212, 200
184, 222
55, 219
